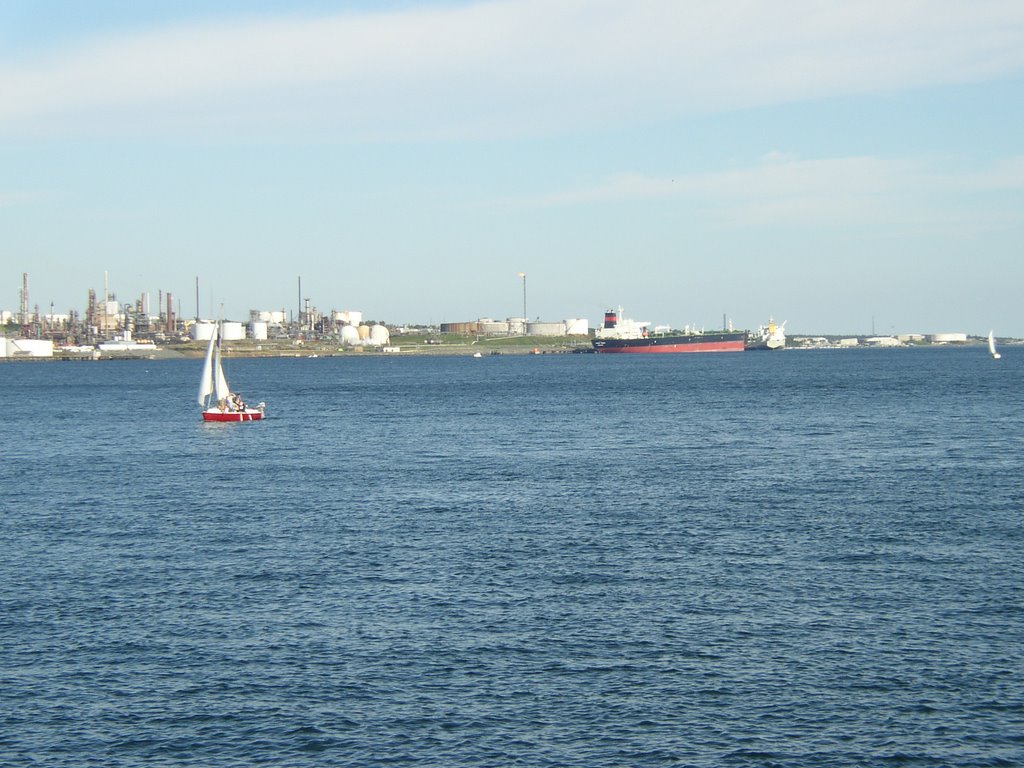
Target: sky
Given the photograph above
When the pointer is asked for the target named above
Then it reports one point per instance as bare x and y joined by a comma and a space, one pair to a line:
848, 168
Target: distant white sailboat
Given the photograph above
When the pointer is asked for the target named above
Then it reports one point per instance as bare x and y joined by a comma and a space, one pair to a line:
992, 346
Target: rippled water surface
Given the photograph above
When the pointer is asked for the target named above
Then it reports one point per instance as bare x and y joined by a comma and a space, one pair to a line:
790, 559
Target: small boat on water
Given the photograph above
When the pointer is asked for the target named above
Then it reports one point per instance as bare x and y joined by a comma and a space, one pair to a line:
216, 399
622, 335
992, 346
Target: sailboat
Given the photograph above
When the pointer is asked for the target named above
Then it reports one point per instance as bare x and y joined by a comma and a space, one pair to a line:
992, 346
216, 399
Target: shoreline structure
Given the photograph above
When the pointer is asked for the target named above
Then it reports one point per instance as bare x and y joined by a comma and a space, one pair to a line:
423, 346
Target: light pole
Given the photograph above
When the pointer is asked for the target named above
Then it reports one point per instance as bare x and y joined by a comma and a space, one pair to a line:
523, 275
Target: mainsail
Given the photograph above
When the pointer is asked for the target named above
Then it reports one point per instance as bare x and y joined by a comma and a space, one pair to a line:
206, 380
220, 386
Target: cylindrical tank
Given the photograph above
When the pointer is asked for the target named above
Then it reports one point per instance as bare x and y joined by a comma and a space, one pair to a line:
232, 331
467, 329
545, 329
364, 332
379, 335
203, 331
258, 329
577, 326
494, 328
349, 335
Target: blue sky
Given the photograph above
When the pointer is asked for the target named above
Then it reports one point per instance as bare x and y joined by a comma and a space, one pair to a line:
843, 167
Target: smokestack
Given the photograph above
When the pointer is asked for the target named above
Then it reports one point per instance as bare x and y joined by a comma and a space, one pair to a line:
23, 309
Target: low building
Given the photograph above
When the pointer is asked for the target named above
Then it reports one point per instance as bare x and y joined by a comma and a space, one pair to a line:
883, 341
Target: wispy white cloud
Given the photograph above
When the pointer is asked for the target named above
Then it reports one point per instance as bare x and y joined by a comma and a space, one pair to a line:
12, 198
1005, 175
505, 65
782, 189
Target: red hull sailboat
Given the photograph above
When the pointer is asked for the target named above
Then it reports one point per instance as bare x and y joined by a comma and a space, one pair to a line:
216, 399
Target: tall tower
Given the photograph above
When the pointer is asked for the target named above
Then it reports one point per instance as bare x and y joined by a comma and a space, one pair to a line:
90, 316
170, 312
23, 309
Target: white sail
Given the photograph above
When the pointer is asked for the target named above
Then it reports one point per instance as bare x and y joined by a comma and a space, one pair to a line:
206, 380
220, 386
992, 346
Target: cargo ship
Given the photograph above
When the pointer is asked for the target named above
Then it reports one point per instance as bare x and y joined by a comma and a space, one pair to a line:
769, 336
618, 334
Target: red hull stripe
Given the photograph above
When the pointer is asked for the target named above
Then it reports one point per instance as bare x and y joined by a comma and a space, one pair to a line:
218, 416
655, 349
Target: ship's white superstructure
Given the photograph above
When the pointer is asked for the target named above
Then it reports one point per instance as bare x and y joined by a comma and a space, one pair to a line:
617, 327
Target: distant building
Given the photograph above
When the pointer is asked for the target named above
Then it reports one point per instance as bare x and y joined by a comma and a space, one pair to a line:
883, 341
810, 341
948, 338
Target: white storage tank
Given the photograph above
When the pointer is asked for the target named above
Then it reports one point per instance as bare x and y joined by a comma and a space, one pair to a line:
379, 335
203, 330
268, 316
26, 347
350, 316
232, 331
577, 326
258, 329
349, 335
545, 329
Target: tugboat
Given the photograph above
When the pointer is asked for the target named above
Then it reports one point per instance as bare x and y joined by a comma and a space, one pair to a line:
769, 336
619, 334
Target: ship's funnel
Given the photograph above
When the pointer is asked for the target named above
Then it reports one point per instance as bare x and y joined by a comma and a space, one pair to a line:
611, 318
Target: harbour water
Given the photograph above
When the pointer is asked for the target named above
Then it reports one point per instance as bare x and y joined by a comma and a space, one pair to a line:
778, 559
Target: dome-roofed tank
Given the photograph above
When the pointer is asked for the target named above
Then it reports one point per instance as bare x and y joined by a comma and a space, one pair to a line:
349, 335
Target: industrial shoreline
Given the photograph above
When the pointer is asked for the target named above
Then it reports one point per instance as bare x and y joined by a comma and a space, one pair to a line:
411, 347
